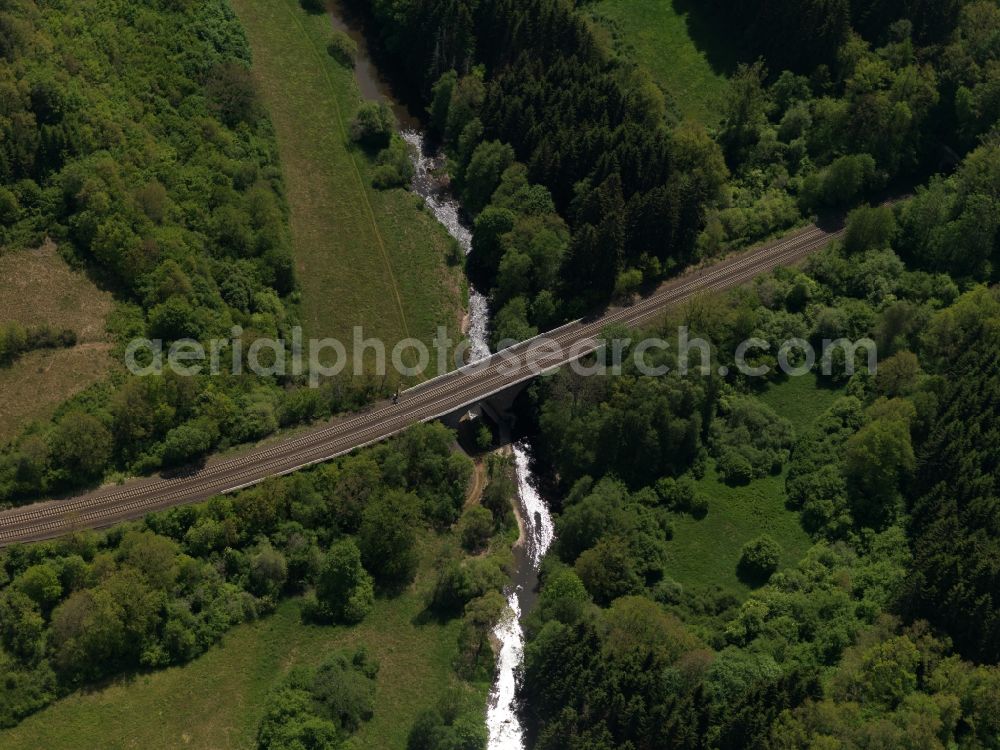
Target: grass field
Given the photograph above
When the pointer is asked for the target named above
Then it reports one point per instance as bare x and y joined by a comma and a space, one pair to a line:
34, 386
39, 287
216, 702
705, 552
688, 59
364, 257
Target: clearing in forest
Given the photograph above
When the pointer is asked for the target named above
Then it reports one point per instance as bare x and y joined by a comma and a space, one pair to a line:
706, 552
40, 288
687, 56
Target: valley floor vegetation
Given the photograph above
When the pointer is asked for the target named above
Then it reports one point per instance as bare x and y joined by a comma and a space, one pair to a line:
885, 631
364, 256
145, 150
859, 607
347, 541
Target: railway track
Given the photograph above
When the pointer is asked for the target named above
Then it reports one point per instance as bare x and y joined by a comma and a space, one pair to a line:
427, 401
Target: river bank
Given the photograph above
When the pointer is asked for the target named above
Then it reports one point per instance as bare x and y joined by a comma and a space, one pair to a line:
534, 520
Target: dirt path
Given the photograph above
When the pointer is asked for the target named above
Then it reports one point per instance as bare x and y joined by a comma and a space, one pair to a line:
475, 493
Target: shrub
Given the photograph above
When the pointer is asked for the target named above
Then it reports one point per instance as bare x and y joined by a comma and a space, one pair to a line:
484, 437
232, 90
497, 497
870, 229
393, 166
699, 507
9, 207
342, 49
735, 468
627, 284
476, 528
344, 591
459, 582
759, 559
668, 591
373, 125
482, 176
841, 183
676, 494
80, 445
185, 443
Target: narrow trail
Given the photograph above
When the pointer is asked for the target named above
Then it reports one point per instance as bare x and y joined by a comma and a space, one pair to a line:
475, 493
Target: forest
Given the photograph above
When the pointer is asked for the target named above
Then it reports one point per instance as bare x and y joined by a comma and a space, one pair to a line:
582, 187
885, 633
163, 184
163, 590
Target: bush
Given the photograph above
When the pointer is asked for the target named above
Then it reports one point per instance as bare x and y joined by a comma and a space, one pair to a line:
484, 437
319, 707
735, 468
373, 125
185, 443
841, 183
344, 591
498, 496
80, 445
870, 229
342, 49
482, 175
759, 559
676, 494
668, 591
388, 538
16, 340
393, 166
476, 528
749, 439
232, 90
459, 582
9, 207
627, 284
699, 507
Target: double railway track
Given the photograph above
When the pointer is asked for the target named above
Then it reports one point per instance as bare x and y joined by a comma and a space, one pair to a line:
427, 401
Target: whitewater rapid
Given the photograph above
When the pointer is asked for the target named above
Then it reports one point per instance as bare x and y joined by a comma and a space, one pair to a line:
448, 212
502, 720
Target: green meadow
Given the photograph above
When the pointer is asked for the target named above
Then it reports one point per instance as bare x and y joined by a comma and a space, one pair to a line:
363, 256
705, 552
685, 57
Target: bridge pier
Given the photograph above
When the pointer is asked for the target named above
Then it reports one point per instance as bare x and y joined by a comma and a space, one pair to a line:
494, 411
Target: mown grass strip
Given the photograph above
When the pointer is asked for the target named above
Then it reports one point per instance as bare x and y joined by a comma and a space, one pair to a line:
364, 257
362, 187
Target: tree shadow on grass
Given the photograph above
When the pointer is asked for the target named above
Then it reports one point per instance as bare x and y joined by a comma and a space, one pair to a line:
752, 576
313, 7
712, 34
429, 615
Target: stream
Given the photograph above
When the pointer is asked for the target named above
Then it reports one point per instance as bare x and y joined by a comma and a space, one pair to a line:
443, 206
502, 720
537, 531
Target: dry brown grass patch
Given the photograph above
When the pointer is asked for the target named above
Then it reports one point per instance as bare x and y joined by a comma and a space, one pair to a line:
38, 287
